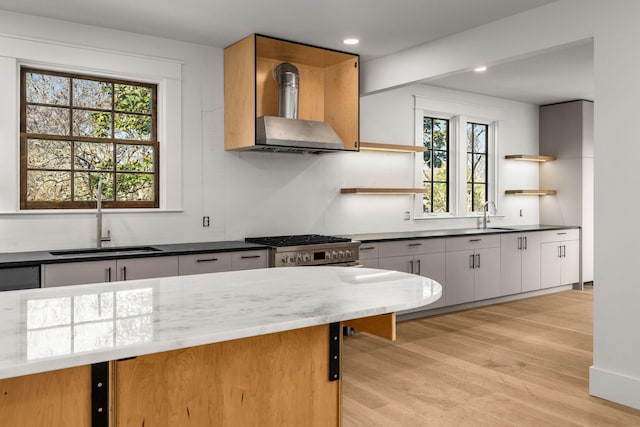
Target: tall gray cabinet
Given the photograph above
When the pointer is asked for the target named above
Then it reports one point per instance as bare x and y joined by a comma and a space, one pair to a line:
566, 132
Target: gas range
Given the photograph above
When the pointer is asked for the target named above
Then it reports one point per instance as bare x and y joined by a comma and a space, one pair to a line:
309, 249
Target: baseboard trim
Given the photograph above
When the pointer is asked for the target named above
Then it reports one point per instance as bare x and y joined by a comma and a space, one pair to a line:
614, 387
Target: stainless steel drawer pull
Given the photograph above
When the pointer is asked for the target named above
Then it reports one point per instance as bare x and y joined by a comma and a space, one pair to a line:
415, 244
250, 256
368, 248
475, 240
207, 260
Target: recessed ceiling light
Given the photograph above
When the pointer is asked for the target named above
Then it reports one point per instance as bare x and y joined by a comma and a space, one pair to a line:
351, 41
480, 69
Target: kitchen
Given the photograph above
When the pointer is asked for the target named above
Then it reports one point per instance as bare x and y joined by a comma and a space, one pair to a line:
251, 194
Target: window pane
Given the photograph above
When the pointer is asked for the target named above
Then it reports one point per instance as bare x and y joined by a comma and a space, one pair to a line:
138, 158
426, 168
93, 155
132, 126
46, 89
86, 186
427, 133
426, 200
440, 134
91, 94
48, 154
47, 120
480, 138
439, 197
480, 168
440, 166
479, 196
133, 99
135, 187
91, 123
44, 186
469, 167
469, 199
469, 137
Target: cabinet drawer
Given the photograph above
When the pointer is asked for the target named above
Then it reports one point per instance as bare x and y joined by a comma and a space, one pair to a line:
411, 247
473, 242
560, 235
369, 250
204, 263
248, 260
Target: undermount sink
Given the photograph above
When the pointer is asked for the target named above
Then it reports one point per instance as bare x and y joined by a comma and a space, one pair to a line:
134, 250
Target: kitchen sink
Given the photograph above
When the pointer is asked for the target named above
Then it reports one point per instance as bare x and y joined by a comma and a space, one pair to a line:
134, 250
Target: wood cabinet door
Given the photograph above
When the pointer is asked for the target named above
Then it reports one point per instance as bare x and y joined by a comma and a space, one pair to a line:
549, 264
459, 277
487, 273
147, 268
78, 273
570, 265
531, 262
511, 253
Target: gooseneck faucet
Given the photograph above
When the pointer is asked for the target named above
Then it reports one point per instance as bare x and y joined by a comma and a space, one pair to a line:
485, 213
99, 237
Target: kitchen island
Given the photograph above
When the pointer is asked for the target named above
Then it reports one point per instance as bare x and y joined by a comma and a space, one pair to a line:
257, 347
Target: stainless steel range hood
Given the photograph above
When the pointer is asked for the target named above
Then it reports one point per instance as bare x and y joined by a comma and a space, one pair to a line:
286, 133
280, 134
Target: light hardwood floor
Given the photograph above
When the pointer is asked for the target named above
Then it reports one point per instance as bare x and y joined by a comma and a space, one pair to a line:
521, 363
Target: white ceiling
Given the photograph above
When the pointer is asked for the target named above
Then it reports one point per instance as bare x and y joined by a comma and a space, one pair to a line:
383, 26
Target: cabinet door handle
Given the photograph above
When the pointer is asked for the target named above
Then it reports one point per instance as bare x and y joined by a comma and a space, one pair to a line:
124, 273
472, 262
519, 243
525, 242
560, 251
475, 240
478, 266
415, 244
564, 251
411, 266
108, 274
250, 256
419, 268
206, 259
368, 248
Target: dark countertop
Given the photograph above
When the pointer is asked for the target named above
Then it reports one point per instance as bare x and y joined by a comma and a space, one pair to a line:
410, 235
25, 259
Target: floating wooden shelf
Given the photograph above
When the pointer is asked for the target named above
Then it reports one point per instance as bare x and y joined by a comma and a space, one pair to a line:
529, 158
393, 148
368, 190
531, 192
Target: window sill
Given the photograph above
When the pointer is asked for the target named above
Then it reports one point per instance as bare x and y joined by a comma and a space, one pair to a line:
451, 216
88, 211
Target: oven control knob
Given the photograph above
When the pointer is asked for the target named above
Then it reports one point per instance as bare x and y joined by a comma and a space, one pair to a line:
327, 255
348, 253
306, 257
334, 255
298, 258
341, 254
285, 259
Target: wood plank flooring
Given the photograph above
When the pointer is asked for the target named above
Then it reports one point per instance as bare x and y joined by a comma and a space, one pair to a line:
521, 363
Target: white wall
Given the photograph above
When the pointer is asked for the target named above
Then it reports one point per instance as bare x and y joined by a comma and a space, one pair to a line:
245, 194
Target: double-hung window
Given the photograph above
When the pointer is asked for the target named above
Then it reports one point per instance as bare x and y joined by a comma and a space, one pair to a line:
77, 131
435, 171
477, 166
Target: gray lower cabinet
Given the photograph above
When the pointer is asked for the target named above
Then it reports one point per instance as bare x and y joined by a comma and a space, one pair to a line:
560, 257
473, 269
369, 255
14, 278
424, 257
216, 262
83, 272
520, 263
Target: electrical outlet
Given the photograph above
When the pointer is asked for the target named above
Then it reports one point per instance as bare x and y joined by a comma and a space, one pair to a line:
407, 215
205, 221
521, 212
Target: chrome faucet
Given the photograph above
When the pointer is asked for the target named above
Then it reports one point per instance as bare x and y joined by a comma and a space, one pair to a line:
485, 213
99, 236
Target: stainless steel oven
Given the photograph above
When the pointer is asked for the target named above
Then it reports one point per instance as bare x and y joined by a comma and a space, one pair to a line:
310, 249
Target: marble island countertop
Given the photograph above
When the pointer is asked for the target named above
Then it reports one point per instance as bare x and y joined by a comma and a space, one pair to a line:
54, 328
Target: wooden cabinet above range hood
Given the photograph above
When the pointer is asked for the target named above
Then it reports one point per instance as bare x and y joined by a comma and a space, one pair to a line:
328, 90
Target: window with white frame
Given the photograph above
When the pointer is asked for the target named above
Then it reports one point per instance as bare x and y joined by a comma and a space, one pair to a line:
458, 168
